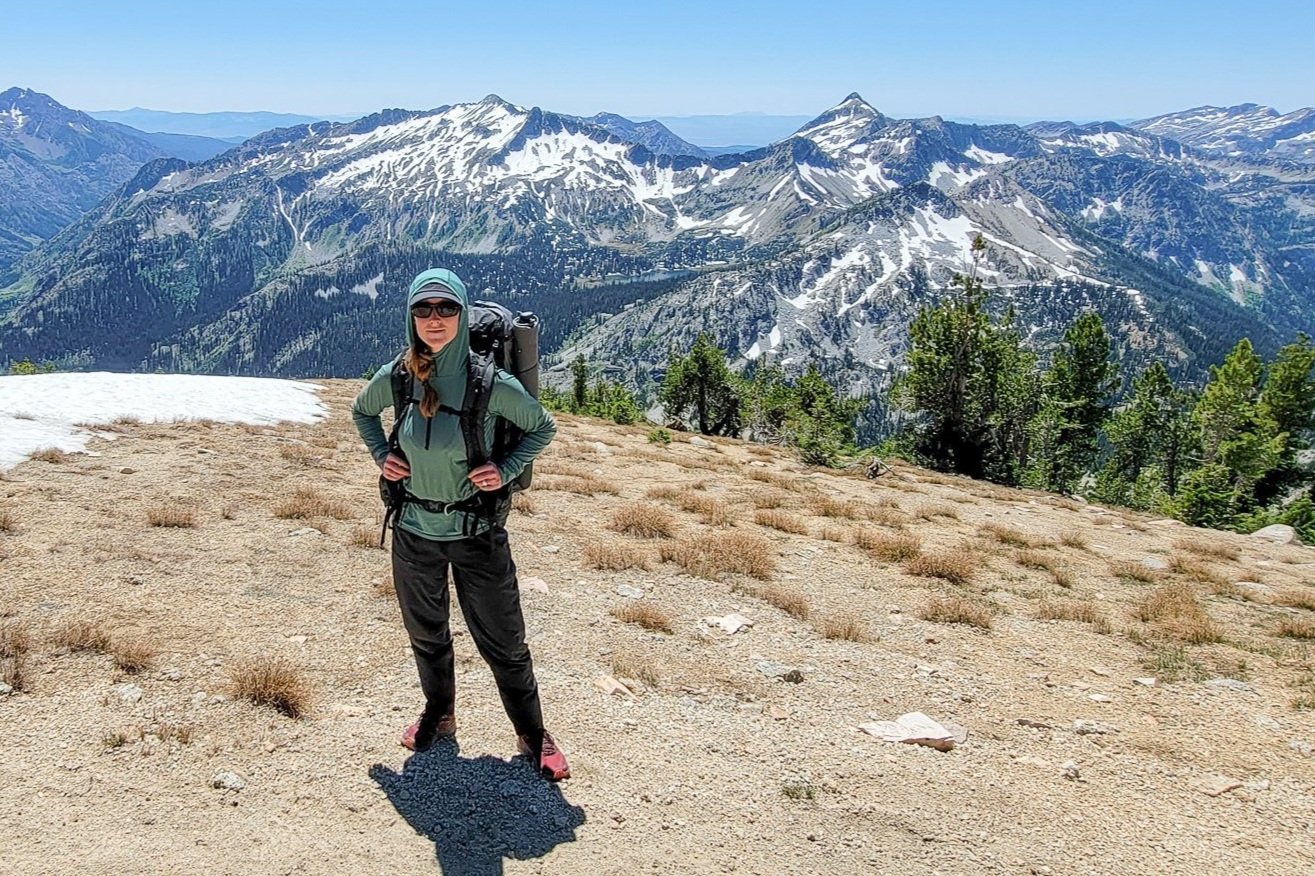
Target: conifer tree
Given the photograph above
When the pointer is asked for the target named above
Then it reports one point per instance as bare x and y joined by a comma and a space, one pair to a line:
1075, 403
1150, 437
701, 385
579, 385
1240, 443
970, 383
819, 423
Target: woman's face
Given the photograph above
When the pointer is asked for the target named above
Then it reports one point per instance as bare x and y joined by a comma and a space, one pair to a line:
436, 321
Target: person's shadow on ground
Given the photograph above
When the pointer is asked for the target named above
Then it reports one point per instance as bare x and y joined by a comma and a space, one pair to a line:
478, 811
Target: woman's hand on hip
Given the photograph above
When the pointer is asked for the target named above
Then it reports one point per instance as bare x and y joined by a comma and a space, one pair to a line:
486, 477
395, 468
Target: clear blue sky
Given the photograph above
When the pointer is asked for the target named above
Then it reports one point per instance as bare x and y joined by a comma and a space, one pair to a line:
1008, 59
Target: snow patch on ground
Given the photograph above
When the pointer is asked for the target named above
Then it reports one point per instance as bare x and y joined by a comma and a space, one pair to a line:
41, 410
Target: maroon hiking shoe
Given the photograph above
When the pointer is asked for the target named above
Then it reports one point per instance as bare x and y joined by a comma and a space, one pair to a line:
421, 735
549, 758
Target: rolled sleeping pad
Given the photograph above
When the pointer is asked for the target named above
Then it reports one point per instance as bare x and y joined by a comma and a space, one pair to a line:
525, 368
525, 351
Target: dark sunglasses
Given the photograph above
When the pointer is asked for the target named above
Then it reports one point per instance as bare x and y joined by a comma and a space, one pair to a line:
442, 308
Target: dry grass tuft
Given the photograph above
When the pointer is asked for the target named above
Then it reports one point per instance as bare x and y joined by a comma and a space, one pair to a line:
306, 503
49, 454
1068, 610
522, 503
1296, 598
15, 643
301, 454
132, 653
614, 557
7, 522
173, 516
782, 520
638, 666
644, 521
955, 565
383, 588
645, 614
1008, 535
957, 610
771, 499
930, 512
883, 515
81, 634
1062, 578
1174, 610
274, 682
1074, 539
832, 532
714, 553
825, 506
1296, 628
1034, 559
1207, 549
784, 481
1130, 571
790, 601
891, 548
364, 537
847, 627
550, 466
1196, 570
711, 510
589, 485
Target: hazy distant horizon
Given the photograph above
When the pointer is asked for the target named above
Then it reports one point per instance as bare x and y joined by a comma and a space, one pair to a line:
1016, 60
747, 128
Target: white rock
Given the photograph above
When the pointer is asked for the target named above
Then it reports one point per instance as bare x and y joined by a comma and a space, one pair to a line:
228, 781
533, 584
1159, 564
629, 592
551, 549
1100, 698
1148, 681
297, 640
1216, 785
1070, 768
1093, 728
1279, 533
1301, 747
305, 530
699, 442
600, 448
913, 728
5, 690
129, 693
1267, 722
1228, 684
610, 686
730, 624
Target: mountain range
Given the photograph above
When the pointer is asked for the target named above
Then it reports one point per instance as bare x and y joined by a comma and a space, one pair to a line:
287, 253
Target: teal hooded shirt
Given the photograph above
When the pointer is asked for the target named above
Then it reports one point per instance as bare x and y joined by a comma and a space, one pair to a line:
434, 446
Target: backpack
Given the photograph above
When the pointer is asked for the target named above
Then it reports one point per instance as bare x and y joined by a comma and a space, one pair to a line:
497, 340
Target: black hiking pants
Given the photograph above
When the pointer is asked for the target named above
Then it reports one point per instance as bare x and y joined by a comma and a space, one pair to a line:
485, 579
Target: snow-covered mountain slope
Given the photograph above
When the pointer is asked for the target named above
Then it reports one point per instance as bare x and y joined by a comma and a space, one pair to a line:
178, 249
1247, 129
56, 163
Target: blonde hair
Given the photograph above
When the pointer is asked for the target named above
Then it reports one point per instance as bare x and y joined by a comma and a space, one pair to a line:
421, 365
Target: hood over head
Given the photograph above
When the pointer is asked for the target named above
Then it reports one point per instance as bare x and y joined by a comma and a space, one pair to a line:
443, 284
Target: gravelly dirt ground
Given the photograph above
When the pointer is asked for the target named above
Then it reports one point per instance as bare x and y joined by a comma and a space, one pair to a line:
711, 766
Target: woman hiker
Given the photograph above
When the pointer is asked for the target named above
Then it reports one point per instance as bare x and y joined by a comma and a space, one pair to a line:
429, 536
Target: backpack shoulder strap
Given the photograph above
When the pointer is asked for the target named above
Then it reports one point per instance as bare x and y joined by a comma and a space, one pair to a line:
400, 379
475, 408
